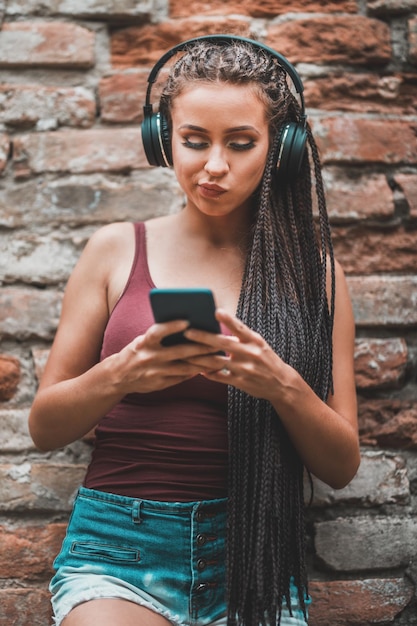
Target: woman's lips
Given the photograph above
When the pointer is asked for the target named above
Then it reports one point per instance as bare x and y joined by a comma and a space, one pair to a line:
209, 190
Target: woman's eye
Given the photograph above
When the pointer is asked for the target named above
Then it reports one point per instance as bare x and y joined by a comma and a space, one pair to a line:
195, 145
237, 145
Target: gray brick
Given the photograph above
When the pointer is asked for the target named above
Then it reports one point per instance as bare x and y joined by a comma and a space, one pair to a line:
366, 543
381, 479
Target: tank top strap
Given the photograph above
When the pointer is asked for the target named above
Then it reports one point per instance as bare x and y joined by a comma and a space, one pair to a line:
141, 256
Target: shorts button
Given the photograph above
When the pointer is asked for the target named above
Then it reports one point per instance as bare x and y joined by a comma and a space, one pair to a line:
200, 516
201, 564
201, 587
201, 540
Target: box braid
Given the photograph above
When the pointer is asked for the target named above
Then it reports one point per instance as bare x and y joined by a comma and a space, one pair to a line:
283, 297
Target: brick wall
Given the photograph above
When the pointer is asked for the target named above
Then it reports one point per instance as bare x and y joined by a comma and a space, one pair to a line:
73, 75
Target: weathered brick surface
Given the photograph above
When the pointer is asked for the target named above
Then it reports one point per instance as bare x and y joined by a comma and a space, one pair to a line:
363, 93
93, 9
122, 97
28, 252
138, 46
391, 6
14, 432
412, 38
25, 106
356, 198
388, 423
378, 299
79, 152
21, 607
262, 8
361, 544
354, 140
39, 486
365, 250
28, 552
46, 44
329, 40
380, 362
373, 601
29, 313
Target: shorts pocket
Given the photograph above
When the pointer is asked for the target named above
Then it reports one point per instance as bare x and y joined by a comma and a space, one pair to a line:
105, 551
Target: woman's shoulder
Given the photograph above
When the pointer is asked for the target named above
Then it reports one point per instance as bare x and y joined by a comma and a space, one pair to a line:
109, 247
116, 233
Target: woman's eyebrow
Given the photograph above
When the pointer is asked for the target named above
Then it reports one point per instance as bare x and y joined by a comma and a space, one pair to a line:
234, 129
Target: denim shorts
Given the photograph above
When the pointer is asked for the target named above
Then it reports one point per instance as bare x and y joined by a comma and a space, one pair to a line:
166, 556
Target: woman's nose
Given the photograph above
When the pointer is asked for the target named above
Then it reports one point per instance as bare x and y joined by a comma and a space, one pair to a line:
216, 164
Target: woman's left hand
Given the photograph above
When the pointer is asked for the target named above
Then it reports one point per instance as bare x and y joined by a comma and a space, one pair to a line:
249, 363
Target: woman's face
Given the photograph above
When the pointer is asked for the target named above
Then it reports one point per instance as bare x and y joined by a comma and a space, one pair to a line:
220, 140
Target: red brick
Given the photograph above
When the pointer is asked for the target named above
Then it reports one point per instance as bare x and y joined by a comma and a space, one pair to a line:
384, 300
380, 362
46, 44
362, 543
395, 7
412, 40
352, 39
363, 93
388, 423
143, 45
357, 140
75, 151
408, 185
28, 552
4, 151
122, 97
9, 376
260, 8
366, 250
21, 607
25, 106
29, 313
357, 197
358, 602
39, 486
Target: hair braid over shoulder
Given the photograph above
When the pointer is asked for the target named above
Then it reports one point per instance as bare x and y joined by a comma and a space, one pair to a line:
283, 297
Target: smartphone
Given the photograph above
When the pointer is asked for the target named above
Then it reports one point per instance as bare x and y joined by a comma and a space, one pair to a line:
193, 304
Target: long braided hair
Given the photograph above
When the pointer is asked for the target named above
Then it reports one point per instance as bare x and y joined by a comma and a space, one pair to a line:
283, 297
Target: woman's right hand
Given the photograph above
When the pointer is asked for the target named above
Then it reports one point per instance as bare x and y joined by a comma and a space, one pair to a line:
145, 365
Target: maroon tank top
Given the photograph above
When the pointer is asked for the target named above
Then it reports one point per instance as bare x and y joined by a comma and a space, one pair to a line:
167, 445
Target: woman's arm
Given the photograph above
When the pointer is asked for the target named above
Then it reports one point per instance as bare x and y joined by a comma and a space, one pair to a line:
324, 434
76, 389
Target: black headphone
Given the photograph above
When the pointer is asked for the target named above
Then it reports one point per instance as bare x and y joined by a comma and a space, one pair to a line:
293, 135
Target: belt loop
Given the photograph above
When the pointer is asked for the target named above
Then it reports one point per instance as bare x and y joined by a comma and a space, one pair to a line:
136, 512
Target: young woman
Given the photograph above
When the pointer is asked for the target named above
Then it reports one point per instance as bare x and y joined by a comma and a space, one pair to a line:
191, 511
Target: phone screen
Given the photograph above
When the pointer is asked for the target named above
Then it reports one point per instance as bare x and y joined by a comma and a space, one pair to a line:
193, 304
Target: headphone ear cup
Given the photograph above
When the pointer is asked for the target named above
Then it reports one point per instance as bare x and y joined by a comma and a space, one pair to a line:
291, 151
156, 140
165, 140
